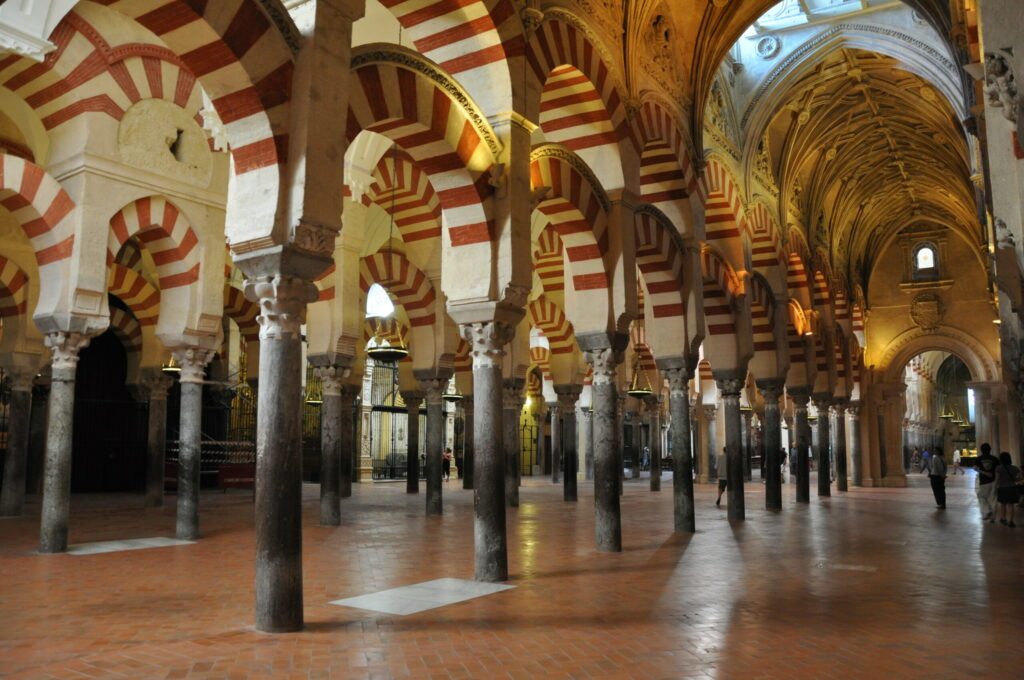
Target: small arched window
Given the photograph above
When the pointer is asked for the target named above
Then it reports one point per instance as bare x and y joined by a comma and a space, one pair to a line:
926, 265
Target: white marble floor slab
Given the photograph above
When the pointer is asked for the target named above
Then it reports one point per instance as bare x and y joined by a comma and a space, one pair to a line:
127, 544
419, 597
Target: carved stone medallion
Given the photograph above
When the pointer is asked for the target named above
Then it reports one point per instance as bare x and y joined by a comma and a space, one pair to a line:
927, 311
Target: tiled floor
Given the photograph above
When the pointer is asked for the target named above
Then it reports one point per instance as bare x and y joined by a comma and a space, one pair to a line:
872, 584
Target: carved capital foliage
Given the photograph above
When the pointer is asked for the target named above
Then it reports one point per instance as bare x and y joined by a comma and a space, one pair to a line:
193, 362
332, 378
1001, 88
486, 340
730, 387
65, 348
433, 389
314, 238
603, 361
678, 381
155, 386
282, 301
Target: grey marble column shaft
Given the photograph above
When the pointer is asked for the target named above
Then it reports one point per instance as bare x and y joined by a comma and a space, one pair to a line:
413, 401
823, 404
771, 392
19, 414
682, 447
747, 443
331, 415
556, 442
803, 472
512, 406
654, 430
467, 439
729, 392
568, 395
839, 445
587, 425
37, 436
853, 413
156, 387
490, 542
193, 365
433, 389
709, 450
53, 530
348, 440
607, 461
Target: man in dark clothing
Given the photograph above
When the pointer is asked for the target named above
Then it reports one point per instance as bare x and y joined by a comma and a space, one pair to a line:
986, 489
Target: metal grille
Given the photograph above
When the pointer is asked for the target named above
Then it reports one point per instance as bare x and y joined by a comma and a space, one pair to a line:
389, 426
527, 444
5, 414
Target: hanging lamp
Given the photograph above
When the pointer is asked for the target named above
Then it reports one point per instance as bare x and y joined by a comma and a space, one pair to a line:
638, 389
453, 396
171, 367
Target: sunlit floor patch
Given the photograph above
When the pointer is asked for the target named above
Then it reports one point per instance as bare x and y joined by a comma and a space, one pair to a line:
846, 567
420, 597
127, 544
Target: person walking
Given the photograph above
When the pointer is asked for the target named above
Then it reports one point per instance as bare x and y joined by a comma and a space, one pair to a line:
937, 475
446, 465
985, 488
723, 477
956, 463
1008, 480
784, 464
925, 462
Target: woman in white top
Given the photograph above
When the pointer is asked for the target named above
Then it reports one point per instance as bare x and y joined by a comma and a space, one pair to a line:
956, 462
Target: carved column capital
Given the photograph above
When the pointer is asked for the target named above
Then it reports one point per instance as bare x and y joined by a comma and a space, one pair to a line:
154, 386
771, 390
282, 301
20, 379
568, 395
413, 400
487, 341
709, 411
332, 378
433, 389
64, 348
512, 393
193, 362
678, 379
604, 362
853, 409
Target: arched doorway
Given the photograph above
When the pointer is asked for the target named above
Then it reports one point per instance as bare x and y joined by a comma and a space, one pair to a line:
940, 409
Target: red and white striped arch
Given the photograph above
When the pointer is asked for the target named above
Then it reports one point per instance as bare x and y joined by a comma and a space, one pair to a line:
548, 262
404, 191
766, 255
472, 39
575, 209
41, 206
463, 362
541, 357
797, 281
13, 289
724, 216
91, 73
440, 138
766, 361
165, 232
720, 288
404, 282
801, 362
839, 354
135, 291
127, 329
243, 312
666, 173
547, 316
638, 340
661, 266
857, 322
821, 296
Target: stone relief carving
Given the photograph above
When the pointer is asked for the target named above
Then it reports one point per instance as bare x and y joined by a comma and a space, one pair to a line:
1001, 88
927, 311
768, 46
659, 58
314, 238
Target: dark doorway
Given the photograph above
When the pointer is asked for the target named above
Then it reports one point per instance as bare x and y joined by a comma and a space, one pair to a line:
109, 451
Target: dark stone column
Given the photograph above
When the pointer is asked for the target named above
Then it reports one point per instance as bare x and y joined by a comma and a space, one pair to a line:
467, 438
433, 383
413, 400
486, 341
587, 425
190, 439
771, 391
607, 461
331, 417
540, 418
568, 395
822, 402
12, 497
620, 443
839, 444
511, 408
348, 440
37, 432
709, 450
748, 443
53, 530
282, 301
556, 442
679, 373
155, 388
800, 398
853, 413
729, 386
637, 444
654, 430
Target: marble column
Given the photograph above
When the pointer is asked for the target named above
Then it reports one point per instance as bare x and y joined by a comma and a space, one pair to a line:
155, 388
433, 389
620, 422
654, 430
853, 413
679, 377
556, 442
823, 403
413, 401
800, 399
190, 439
486, 342
729, 387
467, 442
709, 445
771, 391
568, 395
37, 433
636, 432
19, 414
747, 443
607, 461
331, 445
53, 531
539, 439
349, 440
512, 390
839, 444
587, 435
282, 301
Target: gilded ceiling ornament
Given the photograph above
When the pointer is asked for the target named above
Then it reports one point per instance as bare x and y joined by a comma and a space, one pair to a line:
768, 46
927, 311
